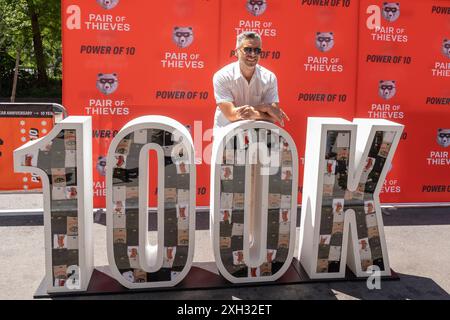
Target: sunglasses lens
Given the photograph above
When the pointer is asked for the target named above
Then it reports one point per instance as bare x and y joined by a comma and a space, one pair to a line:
249, 50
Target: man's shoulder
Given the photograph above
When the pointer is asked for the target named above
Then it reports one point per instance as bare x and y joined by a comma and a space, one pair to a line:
265, 72
226, 72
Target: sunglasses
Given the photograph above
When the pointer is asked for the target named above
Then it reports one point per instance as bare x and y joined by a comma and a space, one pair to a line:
322, 39
182, 34
393, 10
447, 46
383, 87
110, 81
259, 3
249, 50
444, 135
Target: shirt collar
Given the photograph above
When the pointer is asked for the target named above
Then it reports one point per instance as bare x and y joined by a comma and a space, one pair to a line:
238, 73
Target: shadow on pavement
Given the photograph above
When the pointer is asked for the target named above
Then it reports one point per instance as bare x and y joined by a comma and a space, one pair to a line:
408, 288
391, 217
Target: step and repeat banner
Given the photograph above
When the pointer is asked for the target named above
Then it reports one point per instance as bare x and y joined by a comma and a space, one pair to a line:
337, 58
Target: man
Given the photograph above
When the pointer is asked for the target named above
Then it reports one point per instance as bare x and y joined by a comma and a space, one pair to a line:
245, 90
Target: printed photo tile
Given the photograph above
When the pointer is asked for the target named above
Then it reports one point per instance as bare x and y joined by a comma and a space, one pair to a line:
364, 249
72, 243
225, 242
140, 137
371, 220
60, 241
226, 200
226, 215
119, 221
330, 167
254, 272
238, 258
369, 207
324, 239
120, 235
71, 159
286, 201
182, 211
237, 229
271, 255
183, 237
283, 240
226, 172
285, 215
286, 173
285, 228
119, 193
71, 193
120, 161
343, 140
335, 253
274, 200
70, 139
59, 177
238, 201
123, 148
119, 207
183, 196
370, 162
169, 256
72, 226
182, 167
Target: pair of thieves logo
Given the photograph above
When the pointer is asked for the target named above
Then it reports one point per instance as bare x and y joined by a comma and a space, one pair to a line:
96, 22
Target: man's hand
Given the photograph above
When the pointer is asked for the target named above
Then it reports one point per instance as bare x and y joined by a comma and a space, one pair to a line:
247, 113
274, 112
250, 113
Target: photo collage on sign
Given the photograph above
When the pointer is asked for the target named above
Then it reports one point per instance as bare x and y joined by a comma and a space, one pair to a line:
232, 199
126, 205
58, 160
337, 199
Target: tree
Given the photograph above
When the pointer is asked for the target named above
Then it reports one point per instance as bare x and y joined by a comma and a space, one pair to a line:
37, 42
33, 28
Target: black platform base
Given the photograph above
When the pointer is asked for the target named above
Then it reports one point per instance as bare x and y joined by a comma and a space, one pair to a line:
202, 276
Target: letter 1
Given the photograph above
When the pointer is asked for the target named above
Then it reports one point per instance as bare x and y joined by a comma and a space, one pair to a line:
63, 160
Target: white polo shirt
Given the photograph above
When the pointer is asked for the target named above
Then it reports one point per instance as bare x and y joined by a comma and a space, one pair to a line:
231, 86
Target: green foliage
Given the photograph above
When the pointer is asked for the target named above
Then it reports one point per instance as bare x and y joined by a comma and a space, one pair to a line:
16, 34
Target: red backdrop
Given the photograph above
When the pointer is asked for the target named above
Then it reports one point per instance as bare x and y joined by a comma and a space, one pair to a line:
156, 76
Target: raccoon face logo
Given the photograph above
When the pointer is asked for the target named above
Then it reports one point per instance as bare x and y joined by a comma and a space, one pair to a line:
391, 11
256, 7
324, 41
107, 83
183, 36
101, 165
387, 89
446, 48
443, 137
108, 4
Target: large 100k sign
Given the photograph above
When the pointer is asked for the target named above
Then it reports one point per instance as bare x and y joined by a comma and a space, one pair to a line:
254, 176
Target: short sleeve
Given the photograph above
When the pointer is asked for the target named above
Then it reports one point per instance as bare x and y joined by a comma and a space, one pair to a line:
222, 90
271, 94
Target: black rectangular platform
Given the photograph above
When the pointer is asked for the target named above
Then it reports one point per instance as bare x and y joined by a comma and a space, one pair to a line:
202, 276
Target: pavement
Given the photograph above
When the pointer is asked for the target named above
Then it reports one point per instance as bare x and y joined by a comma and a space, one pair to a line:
418, 241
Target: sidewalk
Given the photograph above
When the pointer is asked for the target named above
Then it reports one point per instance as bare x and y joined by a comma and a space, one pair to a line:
418, 242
